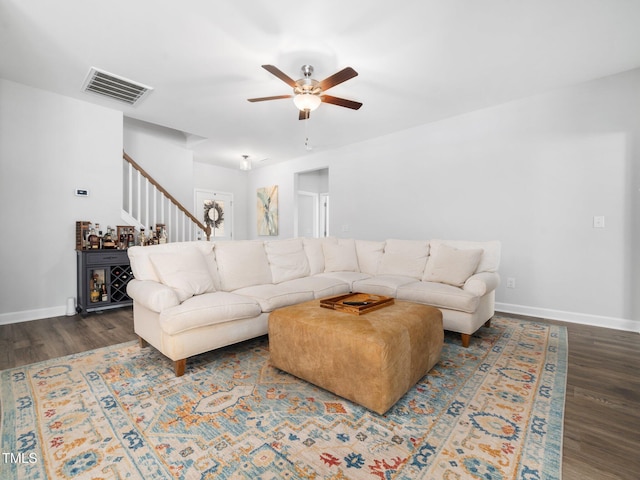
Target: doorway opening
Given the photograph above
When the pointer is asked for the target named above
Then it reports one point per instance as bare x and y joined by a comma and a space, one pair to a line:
312, 203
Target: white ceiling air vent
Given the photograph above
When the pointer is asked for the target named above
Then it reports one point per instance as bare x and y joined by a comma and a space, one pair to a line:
115, 87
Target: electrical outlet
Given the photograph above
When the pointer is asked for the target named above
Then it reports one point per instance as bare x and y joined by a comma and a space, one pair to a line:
511, 282
598, 221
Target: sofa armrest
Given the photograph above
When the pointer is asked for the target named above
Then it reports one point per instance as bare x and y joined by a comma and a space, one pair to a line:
482, 283
153, 295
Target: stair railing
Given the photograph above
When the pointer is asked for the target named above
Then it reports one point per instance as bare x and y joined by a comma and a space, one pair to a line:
145, 203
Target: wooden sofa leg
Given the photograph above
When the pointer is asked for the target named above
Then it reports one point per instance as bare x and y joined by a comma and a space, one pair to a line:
143, 342
487, 323
466, 338
179, 366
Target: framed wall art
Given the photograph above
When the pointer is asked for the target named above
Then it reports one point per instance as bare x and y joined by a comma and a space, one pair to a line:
267, 210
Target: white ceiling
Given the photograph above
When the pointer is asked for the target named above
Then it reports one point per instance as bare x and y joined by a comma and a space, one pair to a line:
418, 60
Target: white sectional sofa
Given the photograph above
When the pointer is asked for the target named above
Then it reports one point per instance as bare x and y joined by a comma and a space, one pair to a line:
192, 297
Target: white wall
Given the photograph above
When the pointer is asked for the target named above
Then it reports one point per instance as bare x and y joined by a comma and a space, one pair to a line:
163, 154
49, 146
531, 173
316, 181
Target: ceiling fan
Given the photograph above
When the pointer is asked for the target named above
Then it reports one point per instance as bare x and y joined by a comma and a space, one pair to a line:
308, 93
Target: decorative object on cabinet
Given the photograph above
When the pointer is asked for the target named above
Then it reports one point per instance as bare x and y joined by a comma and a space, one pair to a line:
102, 277
126, 236
82, 233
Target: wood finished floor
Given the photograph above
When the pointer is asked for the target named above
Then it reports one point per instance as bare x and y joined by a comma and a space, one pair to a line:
602, 411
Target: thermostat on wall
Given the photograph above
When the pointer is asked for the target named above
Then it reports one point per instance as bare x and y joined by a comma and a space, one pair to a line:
80, 192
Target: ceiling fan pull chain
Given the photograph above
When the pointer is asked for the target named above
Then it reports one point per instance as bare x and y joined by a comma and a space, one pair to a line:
306, 134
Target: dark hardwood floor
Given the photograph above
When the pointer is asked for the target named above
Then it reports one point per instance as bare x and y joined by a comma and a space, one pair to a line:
38, 340
602, 411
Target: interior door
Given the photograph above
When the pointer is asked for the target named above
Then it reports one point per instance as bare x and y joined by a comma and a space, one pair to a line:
311, 210
307, 214
215, 209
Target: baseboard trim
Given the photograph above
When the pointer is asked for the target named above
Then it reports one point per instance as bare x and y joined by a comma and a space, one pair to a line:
28, 315
560, 315
571, 317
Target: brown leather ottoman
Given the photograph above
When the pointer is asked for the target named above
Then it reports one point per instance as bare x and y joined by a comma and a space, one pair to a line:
371, 359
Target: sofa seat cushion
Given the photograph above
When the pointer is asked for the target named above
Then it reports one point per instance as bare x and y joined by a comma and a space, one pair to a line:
346, 277
386, 285
271, 297
207, 309
320, 286
439, 295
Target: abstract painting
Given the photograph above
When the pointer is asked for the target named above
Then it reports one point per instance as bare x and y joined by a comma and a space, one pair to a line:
267, 214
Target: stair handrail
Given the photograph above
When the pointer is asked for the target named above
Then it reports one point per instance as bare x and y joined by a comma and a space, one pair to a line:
172, 199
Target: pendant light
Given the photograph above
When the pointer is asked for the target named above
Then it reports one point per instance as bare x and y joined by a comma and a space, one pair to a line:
245, 163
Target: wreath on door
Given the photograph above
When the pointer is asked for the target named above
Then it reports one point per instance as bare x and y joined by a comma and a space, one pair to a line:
213, 214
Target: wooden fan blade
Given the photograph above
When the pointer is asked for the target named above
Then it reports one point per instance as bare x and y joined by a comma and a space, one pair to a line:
337, 78
342, 102
304, 115
280, 74
262, 99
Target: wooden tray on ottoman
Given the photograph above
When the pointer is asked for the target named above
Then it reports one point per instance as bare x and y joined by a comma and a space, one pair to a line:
356, 303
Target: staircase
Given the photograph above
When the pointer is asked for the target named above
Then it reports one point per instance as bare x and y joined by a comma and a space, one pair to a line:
145, 202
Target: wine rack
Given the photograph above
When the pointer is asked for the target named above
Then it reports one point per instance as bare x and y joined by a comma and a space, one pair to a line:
102, 278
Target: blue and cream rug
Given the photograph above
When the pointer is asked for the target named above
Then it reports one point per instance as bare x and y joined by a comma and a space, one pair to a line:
492, 411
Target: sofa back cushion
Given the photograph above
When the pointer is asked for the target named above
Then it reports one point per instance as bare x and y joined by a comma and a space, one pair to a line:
185, 272
242, 263
143, 269
340, 256
451, 265
490, 258
287, 259
404, 257
369, 255
315, 253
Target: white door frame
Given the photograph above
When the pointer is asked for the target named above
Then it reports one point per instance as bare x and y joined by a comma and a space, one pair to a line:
199, 196
323, 212
316, 204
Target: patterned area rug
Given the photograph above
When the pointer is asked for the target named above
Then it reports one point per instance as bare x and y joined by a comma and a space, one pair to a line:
492, 411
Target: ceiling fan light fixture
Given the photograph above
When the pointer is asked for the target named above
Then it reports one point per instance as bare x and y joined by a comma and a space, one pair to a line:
307, 101
309, 93
245, 163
